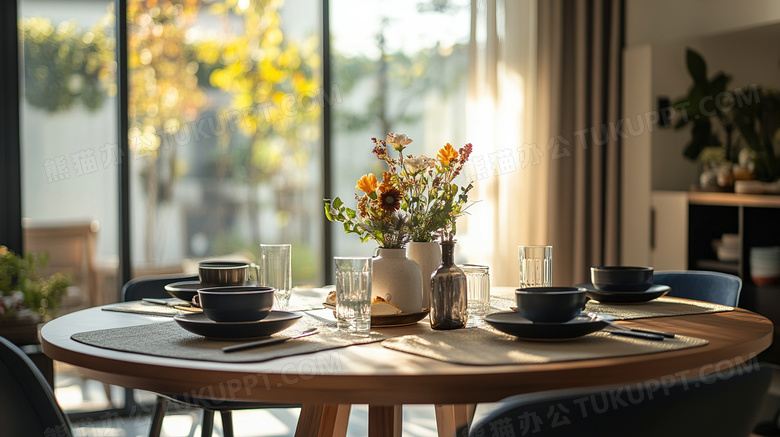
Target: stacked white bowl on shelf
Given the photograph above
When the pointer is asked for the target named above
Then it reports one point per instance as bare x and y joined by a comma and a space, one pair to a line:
728, 248
765, 265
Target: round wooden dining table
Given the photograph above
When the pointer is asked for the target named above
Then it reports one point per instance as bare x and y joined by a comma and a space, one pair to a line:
326, 383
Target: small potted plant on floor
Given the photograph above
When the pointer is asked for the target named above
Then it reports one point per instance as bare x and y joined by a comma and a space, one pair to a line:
25, 294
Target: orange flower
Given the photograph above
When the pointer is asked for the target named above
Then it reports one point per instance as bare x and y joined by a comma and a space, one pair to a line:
447, 154
368, 183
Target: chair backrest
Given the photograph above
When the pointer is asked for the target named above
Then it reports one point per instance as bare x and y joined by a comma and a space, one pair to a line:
152, 286
27, 404
71, 250
724, 403
714, 287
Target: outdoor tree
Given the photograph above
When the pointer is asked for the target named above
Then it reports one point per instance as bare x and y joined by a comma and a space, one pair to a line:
273, 83
163, 95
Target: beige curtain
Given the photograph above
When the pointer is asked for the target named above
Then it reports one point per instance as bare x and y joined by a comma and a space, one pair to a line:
544, 81
580, 45
509, 181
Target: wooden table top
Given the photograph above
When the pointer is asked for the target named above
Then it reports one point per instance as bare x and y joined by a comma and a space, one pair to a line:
372, 374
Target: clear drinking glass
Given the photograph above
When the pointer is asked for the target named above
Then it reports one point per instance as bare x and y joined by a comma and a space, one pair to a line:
535, 266
353, 295
276, 272
478, 286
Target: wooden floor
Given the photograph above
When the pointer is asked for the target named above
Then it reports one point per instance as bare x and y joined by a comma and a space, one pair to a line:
418, 422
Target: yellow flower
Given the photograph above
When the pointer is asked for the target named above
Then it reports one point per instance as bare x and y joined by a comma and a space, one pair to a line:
3, 250
368, 183
447, 154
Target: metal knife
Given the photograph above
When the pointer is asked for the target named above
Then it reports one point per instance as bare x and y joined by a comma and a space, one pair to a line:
595, 316
267, 341
165, 302
636, 334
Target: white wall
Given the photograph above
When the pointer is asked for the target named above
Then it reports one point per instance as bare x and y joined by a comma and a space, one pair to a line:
664, 21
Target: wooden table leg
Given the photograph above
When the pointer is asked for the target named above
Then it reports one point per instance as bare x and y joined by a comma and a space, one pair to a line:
323, 420
385, 421
451, 417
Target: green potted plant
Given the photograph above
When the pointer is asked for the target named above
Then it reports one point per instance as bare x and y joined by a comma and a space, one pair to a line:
23, 289
749, 119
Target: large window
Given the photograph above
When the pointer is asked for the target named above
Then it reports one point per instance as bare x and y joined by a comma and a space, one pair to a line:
69, 142
398, 66
224, 111
224, 107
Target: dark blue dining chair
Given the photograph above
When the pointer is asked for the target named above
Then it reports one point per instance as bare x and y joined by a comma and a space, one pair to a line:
27, 403
714, 287
722, 404
154, 287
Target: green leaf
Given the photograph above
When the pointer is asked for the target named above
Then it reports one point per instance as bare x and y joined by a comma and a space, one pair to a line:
328, 213
718, 84
697, 67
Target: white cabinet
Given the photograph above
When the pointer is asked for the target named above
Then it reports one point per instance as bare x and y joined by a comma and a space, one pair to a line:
669, 230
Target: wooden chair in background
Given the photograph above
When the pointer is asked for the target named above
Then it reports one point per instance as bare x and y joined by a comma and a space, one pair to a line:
71, 249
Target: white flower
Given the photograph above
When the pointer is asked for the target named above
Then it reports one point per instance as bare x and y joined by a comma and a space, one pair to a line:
415, 165
396, 138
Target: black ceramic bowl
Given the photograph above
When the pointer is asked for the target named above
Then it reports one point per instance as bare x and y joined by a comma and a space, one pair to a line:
235, 304
550, 304
620, 278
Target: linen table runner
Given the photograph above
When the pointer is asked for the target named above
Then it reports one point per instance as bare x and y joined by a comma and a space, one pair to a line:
487, 346
168, 339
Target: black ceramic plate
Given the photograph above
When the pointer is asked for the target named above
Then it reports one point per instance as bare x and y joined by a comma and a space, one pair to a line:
390, 320
202, 325
654, 292
513, 323
186, 290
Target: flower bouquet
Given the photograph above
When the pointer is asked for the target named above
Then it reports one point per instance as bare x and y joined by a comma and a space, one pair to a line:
417, 200
378, 216
432, 200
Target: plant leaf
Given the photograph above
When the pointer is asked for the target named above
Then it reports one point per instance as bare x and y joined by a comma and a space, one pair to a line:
697, 67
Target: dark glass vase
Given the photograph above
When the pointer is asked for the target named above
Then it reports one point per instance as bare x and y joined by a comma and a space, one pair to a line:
449, 302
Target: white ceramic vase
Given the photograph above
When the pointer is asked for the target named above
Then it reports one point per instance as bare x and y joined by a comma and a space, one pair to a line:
428, 256
397, 279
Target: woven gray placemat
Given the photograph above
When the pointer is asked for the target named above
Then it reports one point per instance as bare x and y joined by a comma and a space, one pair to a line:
661, 307
487, 346
168, 339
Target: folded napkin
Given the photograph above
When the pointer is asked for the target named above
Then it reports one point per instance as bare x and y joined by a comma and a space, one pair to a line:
146, 308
